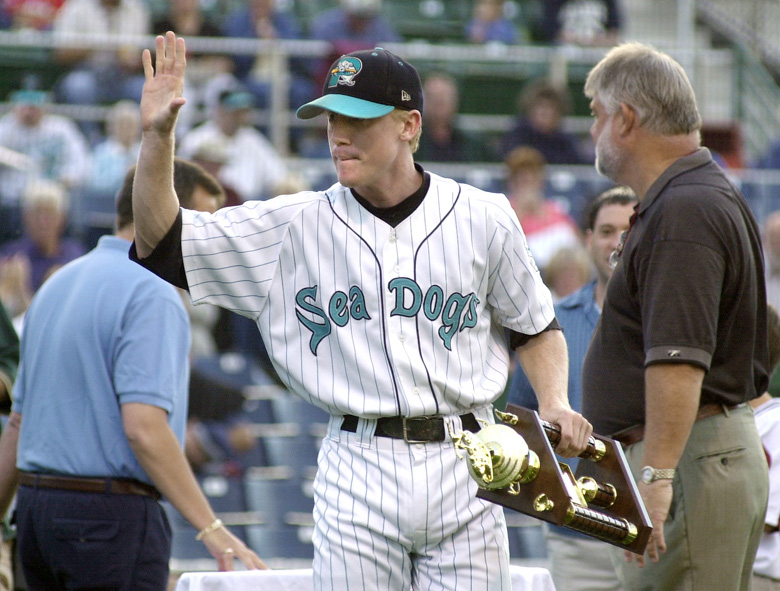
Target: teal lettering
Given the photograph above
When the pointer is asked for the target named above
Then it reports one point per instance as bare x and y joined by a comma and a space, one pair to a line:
318, 330
358, 308
470, 320
433, 303
450, 317
338, 308
400, 286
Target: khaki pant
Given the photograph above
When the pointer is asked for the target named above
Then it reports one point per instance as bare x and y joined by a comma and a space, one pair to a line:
717, 512
765, 584
6, 566
580, 564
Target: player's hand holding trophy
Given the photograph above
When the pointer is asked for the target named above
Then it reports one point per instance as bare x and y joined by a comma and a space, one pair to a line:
514, 464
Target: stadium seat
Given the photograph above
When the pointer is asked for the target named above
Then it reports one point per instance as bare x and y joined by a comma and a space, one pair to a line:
431, 20
225, 493
278, 495
257, 410
290, 408
289, 445
285, 543
92, 215
284, 540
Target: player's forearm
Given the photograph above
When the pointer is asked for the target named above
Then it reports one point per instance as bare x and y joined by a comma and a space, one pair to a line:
672, 397
9, 475
545, 361
155, 205
160, 455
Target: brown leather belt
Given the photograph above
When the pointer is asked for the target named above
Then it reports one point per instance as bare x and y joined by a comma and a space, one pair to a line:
411, 429
117, 486
635, 434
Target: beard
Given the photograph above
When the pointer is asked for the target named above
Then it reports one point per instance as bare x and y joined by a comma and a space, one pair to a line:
608, 157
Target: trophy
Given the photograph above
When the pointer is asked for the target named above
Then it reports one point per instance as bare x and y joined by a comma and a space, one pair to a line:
514, 464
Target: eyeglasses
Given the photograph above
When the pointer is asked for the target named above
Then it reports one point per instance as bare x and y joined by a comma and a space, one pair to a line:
614, 257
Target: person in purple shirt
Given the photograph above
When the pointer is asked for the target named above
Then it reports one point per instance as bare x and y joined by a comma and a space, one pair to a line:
489, 25
42, 245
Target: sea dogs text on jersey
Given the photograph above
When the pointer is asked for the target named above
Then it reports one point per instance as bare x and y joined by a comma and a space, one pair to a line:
456, 311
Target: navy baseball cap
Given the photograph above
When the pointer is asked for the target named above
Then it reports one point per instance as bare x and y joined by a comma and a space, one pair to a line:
367, 84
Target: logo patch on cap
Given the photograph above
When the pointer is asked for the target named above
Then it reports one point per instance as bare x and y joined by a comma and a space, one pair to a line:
405, 96
345, 72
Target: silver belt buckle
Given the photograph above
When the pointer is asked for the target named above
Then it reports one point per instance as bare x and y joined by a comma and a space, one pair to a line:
404, 423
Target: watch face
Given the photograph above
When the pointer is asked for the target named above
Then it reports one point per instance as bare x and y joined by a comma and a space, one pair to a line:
647, 475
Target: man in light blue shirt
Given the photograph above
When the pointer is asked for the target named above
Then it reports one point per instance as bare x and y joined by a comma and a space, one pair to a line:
577, 562
104, 383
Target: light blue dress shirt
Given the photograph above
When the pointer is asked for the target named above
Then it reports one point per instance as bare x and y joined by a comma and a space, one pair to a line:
101, 332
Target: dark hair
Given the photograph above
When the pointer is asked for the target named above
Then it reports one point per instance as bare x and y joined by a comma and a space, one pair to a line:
542, 89
773, 336
187, 176
619, 195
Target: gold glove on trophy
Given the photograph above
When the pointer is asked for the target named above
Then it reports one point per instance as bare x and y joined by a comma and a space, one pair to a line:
514, 464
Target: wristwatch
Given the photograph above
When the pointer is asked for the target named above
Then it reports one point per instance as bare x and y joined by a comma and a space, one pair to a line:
650, 474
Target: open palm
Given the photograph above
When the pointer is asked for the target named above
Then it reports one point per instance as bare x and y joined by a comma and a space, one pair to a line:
162, 98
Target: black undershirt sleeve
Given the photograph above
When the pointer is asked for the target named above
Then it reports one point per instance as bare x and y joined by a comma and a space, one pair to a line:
166, 260
518, 339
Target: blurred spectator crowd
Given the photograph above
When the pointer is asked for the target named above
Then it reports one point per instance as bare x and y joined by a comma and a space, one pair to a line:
59, 174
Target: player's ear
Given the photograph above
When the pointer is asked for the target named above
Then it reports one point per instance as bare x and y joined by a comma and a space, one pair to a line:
412, 120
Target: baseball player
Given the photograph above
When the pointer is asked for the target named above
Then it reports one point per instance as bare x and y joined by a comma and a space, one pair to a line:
384, 300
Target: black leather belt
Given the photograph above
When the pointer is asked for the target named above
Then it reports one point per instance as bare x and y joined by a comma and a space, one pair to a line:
412, 429
118, 486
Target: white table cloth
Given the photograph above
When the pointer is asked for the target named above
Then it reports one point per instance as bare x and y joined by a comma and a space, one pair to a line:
524, 578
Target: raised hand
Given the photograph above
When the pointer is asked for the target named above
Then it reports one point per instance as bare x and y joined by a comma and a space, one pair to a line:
162, 97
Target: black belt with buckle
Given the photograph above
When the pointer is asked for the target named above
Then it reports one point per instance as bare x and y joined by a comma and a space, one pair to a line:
412, 429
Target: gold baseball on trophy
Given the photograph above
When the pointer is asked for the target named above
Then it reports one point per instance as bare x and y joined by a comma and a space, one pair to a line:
498, 456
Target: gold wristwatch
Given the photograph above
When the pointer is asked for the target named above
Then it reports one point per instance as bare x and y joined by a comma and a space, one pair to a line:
650, 474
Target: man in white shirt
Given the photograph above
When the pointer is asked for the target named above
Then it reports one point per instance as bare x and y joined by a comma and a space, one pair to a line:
252, 165
51, 147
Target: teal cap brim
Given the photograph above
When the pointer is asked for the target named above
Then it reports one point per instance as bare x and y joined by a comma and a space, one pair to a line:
348, 106
29, 97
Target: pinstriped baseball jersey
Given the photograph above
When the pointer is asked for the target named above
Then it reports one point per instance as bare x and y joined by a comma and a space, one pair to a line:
366, 319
